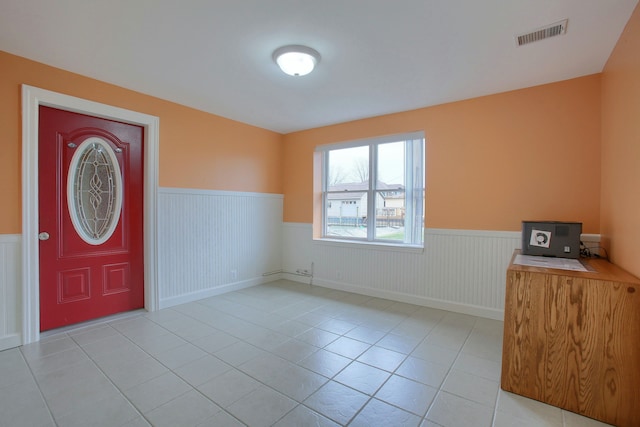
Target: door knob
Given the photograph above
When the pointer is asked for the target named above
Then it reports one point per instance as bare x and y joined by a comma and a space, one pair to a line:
43, 236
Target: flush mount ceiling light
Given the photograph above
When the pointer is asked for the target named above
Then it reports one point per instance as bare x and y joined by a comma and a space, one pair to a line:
296, 60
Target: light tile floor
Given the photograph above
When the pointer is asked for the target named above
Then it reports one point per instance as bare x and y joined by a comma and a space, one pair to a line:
282, 354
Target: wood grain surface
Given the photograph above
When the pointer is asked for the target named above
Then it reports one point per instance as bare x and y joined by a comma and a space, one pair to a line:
573, 340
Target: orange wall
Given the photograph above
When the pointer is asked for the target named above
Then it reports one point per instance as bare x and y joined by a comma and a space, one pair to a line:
491, 161
197, 149
620, 200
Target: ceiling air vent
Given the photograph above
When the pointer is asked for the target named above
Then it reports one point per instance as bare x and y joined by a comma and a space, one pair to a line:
551, 30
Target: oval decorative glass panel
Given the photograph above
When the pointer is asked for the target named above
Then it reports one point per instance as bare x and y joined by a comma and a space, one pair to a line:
94, 190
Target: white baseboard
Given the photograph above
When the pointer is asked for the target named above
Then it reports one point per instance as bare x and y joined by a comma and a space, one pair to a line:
10, 341
218, 290
297, 278
473, 310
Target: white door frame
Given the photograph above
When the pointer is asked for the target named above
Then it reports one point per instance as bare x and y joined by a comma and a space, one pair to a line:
32, 99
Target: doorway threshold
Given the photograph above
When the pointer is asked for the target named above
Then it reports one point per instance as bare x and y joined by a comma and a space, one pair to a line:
90, 323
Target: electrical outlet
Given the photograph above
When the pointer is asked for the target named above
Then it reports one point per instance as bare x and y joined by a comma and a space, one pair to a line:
234, 274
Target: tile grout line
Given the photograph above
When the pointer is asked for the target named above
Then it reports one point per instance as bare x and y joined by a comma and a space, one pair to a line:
440, 390
335, 309
35, 380
329, 378
193, 388
107, 376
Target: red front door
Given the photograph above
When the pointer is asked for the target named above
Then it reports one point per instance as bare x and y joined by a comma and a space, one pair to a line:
90, 209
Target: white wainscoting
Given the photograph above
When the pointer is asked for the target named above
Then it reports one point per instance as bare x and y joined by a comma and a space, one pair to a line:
10, 291
205, 235
459, 270
211, 242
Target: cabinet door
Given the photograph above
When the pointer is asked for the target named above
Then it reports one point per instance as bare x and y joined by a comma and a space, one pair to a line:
607, 350
574, 343
535, 340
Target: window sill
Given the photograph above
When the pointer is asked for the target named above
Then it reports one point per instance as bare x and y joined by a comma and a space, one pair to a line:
362, 244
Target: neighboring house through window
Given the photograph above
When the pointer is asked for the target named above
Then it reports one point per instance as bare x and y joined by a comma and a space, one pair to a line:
373, 190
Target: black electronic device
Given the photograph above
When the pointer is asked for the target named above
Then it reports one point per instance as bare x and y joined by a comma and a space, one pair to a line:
551, 238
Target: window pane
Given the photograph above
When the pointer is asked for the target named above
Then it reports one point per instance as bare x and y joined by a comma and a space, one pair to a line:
416, 202
391, 162
390, 215
94, 190
348, 166
390, 197
392, 181
346, 214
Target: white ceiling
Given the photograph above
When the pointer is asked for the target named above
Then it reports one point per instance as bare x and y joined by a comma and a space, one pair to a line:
378, 56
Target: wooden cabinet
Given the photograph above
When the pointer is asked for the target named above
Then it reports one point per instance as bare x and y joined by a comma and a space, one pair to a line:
572, 339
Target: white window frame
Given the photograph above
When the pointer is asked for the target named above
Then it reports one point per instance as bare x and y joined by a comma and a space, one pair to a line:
415, 173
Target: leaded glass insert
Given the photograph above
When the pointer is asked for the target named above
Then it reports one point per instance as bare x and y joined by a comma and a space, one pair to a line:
94, 191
